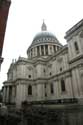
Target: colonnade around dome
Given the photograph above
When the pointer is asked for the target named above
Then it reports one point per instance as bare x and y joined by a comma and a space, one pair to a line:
43, 50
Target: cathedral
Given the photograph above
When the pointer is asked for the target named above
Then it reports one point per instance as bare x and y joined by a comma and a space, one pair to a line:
51, 74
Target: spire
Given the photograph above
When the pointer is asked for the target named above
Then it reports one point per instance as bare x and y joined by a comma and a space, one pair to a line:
43, 27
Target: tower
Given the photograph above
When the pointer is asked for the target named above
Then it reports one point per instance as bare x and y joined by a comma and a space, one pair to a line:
4, 9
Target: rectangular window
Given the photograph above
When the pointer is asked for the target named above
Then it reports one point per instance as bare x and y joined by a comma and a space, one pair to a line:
63, 85
29, 90
51, 88
45, 90
76, 47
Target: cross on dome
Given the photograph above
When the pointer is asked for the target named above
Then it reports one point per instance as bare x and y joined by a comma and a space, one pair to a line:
43, 27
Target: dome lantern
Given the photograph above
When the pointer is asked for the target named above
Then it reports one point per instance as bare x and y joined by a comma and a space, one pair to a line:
43, 27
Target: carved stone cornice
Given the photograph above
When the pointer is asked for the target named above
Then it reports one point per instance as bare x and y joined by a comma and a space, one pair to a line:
74, 29
76, 59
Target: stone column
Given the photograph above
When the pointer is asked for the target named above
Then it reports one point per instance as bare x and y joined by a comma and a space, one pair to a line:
48, 50
7, 96
40, 50
52, 49
30, 53
13, 94
4, 93
56, 48
44, 50
21, 94
36, 51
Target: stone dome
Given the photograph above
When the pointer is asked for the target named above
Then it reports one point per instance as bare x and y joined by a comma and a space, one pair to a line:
44, 34
45, 37
44, 44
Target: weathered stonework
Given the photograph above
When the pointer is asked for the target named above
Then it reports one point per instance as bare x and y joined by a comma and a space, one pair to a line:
51, 72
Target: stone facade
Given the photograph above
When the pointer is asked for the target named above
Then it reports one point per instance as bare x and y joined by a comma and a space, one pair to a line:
51, 73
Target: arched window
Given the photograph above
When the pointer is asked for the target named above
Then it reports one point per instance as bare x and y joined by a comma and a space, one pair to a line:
29, 90
63, 85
